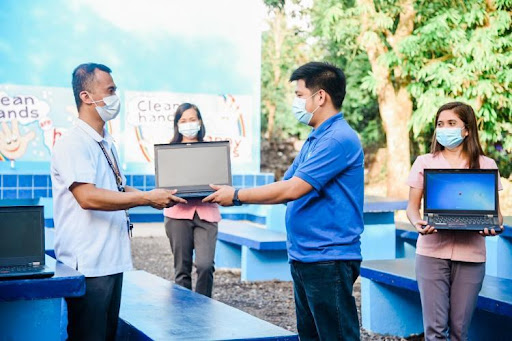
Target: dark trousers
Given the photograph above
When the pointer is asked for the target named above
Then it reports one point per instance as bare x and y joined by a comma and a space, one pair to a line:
185, 236
326, 309
94, 316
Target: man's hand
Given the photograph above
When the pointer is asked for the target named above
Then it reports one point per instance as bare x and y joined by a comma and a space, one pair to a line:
162, 198
223, 195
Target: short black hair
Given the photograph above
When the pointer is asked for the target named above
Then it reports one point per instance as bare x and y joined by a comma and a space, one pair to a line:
83, 75
320, 75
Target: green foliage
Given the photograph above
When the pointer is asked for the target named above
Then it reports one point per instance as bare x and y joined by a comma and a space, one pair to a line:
275, 4
339, 43
459, 50
284, 49
465, 54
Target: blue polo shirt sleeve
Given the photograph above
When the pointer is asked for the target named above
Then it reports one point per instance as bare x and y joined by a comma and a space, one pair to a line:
325, 162
291, 170
73, 162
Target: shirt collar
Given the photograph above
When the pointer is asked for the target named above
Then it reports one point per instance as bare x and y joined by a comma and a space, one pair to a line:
315, 133
94, 134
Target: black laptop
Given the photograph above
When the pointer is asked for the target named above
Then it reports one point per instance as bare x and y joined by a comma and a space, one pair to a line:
192, 167
461, 199
22, 243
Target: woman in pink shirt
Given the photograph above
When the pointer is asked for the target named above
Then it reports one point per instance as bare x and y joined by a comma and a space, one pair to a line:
192, 226
450, 265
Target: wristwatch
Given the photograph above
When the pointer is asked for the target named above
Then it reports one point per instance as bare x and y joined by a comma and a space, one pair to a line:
236, 201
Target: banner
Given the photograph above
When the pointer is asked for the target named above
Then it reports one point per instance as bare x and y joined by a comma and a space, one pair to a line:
150, 121
33, 118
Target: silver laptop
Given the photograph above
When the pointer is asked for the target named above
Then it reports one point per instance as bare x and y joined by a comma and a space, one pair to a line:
192, 167
22, 243
461, 199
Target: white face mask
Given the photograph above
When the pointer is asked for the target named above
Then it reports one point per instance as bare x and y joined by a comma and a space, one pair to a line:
190, 129
111, 108
299, 109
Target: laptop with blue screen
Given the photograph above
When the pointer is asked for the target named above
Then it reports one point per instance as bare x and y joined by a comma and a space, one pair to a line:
461, 199
22, 243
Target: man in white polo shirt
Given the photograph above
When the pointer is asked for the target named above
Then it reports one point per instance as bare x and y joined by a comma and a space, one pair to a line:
90, 199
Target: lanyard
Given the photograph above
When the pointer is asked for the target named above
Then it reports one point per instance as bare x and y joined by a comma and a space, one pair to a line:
114, 167
119, 181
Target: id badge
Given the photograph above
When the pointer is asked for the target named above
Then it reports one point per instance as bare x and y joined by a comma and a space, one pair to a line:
129, 224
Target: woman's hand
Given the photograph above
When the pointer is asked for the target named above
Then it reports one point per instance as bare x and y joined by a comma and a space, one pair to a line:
423, 228
492, 232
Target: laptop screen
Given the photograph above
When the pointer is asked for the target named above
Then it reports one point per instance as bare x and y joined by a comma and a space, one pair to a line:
192, 166
460, 190
21, 235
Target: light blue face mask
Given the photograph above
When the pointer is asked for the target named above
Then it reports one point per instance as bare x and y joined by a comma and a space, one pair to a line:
449, 137
299, 109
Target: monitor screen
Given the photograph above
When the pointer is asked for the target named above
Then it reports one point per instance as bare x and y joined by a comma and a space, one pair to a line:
191, 165
21, 232
460, 191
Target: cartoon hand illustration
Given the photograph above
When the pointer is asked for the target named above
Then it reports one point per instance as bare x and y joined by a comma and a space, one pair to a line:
12, 144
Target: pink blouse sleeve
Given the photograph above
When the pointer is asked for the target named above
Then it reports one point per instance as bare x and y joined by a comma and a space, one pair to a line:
415, 178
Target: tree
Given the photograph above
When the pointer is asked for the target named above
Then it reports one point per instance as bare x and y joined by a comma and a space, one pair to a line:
284, 49
465, 55
421, 54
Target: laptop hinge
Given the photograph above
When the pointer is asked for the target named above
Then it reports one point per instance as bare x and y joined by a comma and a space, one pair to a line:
490, 215
430, 214
35, 263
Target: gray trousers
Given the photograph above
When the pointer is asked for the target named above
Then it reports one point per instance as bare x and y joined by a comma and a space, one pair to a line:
185, 236
449, 292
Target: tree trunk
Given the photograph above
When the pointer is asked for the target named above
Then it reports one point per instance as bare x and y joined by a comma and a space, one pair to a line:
396, 111
395, 106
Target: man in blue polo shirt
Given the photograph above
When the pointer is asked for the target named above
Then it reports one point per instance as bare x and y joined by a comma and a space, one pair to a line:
324, 188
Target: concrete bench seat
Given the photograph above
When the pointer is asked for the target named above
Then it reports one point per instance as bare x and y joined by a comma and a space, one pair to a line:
253, 213
31, 308
155, 309
406, 243
498, 249
260, 253
391, 302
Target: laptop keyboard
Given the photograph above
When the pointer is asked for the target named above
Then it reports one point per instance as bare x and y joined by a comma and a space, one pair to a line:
21, 269
463, 220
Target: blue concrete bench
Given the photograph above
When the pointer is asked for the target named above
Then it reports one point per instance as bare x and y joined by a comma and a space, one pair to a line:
391, 302
155, 309
260, 253
31, 309
499, 253
254, 213
406, 243
499, 250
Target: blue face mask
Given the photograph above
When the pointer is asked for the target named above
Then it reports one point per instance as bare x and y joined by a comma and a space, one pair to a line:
449, 137
299, 109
